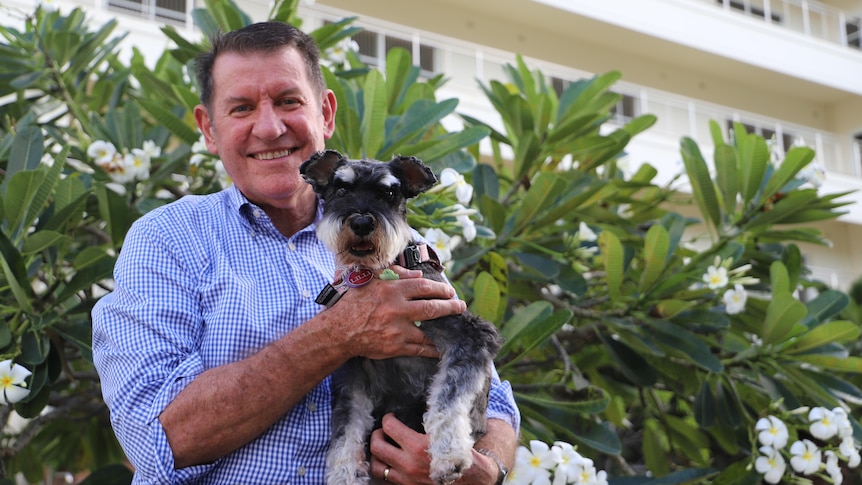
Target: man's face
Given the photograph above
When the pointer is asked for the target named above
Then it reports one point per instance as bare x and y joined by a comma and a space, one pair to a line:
266, 119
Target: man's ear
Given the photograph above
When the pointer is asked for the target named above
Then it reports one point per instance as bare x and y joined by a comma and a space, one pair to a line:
415, 176
202, 118
319, 169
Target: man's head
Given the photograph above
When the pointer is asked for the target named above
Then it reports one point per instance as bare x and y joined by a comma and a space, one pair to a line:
257, 38
265, 110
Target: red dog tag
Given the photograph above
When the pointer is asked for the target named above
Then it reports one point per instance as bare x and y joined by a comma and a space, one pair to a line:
357, 277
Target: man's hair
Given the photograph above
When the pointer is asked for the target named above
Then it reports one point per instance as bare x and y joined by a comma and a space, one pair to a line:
265, 37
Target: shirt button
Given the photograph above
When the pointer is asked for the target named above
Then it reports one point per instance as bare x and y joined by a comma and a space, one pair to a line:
301, 471
291, 246
252, 233
306, 293
312, 406
256, 213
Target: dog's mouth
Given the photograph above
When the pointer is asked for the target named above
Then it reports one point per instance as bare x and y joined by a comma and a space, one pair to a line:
362, 248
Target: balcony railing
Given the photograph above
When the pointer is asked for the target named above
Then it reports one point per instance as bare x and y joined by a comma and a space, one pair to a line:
808, 17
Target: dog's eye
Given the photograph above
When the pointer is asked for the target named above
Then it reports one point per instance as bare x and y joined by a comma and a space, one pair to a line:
390, 194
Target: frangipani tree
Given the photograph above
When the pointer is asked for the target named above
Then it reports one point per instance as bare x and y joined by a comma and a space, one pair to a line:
648, 353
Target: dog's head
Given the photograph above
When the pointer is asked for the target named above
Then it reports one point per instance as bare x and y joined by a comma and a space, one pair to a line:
365, 204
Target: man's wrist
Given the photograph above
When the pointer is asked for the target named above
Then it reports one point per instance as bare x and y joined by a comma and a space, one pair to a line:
502, 471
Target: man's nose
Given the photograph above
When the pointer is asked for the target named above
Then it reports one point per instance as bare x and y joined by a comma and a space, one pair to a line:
268, 124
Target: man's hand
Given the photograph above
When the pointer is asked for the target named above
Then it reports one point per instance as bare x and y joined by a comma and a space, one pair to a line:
409, 463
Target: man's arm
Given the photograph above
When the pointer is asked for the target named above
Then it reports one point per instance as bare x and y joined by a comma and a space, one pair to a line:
228, 406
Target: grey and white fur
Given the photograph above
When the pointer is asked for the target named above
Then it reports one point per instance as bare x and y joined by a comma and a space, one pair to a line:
364, 224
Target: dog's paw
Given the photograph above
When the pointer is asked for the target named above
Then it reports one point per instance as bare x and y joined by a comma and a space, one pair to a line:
446, 471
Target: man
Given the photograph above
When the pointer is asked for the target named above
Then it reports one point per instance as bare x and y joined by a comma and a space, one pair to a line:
213, 355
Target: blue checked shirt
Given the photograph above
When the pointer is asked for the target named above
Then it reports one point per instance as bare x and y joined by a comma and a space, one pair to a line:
203, 282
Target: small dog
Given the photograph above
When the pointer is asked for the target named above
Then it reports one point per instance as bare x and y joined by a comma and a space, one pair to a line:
365, 225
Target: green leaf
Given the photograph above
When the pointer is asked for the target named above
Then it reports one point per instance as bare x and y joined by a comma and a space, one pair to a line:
536, 333
704, 406
656, 245
41, 240
115, 212
34, 348
595, 401
15, 273
171, 121
543, 192
824, 306
634, 367
612, 260
374, 114
727, 177
782, 315
20, 196
828, 362
679, 340
837, 331
701, 183
753, 157
486, 297
794, 161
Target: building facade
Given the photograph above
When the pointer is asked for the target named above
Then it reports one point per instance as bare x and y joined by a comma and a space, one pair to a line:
788, 69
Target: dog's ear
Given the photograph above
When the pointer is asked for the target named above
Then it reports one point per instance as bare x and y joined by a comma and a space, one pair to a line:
414, 175
318, 169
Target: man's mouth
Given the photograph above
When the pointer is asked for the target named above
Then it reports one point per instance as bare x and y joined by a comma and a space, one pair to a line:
271, 155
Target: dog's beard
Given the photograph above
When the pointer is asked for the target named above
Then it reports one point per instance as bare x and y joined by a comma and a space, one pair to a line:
376, 250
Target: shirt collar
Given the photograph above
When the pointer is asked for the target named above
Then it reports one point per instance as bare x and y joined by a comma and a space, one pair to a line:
255, 216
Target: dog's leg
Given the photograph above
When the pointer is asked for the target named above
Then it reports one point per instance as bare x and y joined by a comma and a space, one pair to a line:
456, 388
352, 423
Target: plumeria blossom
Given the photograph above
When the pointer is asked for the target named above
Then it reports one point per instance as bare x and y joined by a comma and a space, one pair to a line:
12, 377
806, 457
101, 151
532, 465
337, 54
715, 277
441, 243
771, 464
849, 450
823, 423
734, 300
462, 215
538, 464
772, 432
449, 177
585, 233
833, 468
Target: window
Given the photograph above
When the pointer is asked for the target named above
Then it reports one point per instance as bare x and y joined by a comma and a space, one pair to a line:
165, 10
854, 36
857, 151
768, 133
373, 47
746, 7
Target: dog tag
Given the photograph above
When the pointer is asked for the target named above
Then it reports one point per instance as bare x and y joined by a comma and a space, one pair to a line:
357, 277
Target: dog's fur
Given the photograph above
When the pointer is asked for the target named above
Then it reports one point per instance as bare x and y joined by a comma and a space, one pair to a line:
364, 223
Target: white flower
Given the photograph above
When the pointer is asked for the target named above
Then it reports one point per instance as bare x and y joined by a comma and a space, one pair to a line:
337, 54
833, 468
468, 226
463, 191
585, 233
773, 432
814, 174
119, 168
49, 5
101, 151
842, 422
441, 243
625, 211
771, 465
734, 300
151, 149
823, 425
12, 381
533, 465
848, 449
570, 463
715, 277
806, 457
138, 163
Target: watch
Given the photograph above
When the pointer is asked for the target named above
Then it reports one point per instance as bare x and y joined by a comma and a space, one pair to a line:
503, 471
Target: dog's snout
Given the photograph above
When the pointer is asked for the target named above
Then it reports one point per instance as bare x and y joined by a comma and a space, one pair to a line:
362, 224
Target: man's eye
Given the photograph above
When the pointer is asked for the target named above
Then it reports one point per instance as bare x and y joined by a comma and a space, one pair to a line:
242, 109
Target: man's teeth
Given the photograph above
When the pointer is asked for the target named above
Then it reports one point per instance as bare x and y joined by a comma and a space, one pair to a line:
272, 155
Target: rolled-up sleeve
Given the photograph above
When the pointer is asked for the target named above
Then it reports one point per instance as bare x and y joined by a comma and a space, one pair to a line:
501, 402
144, 349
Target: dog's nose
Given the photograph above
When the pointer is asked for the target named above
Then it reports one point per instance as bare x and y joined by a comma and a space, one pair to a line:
362, 224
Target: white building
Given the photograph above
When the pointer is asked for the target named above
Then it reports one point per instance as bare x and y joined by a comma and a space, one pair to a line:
789, 68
